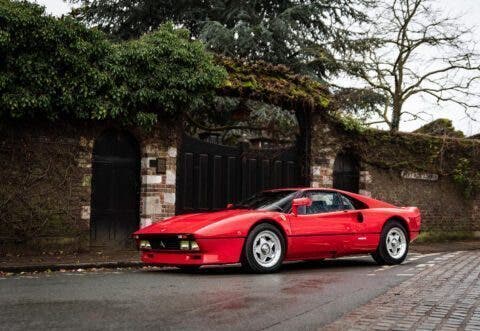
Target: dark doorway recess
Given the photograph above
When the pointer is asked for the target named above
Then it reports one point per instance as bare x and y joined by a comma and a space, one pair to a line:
210, 175
346, 173
115, 189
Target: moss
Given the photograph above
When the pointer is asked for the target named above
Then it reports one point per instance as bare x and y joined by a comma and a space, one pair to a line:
440, 127
409, 151
274, 84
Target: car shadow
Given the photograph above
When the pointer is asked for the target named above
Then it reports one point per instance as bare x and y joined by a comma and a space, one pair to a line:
288, 267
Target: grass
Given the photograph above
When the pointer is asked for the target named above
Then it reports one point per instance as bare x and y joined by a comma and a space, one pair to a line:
444, 236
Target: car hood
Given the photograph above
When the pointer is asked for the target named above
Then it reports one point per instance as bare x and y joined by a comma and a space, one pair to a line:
190, 223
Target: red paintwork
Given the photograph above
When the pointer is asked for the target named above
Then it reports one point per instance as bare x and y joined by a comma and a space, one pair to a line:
221, 235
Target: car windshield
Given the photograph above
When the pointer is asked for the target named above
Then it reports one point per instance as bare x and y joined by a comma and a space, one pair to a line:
269, 200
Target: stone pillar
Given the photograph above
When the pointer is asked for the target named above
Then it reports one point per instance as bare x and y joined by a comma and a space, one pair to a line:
364, 182
84, 159
324, 148
157, 198
322, 171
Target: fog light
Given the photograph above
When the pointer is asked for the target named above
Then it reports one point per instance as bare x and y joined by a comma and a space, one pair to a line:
194, 246
145, 244
184, 245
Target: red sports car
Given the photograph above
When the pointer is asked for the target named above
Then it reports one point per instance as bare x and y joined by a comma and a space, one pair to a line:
283, 225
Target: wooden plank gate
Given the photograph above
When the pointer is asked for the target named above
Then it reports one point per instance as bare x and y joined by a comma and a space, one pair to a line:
210, 175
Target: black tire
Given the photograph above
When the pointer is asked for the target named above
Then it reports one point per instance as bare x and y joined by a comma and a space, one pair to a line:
249, 261
382, 255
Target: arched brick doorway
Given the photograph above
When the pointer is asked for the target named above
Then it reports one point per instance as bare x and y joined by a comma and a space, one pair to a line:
115, 189
346, 173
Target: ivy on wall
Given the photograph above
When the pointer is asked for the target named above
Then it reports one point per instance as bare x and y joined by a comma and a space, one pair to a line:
458, 158
39, 185
468, 177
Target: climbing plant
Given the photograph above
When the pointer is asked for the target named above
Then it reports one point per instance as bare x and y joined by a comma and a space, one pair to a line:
467, 177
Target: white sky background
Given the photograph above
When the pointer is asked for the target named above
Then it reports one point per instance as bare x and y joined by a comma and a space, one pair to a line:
470, 12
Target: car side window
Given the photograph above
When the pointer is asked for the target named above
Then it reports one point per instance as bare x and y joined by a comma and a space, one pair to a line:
323, 202
347, 203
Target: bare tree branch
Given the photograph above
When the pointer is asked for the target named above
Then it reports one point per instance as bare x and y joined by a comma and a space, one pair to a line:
421, 51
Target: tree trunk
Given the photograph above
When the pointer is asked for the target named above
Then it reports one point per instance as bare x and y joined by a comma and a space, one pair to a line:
395, 121
396, 114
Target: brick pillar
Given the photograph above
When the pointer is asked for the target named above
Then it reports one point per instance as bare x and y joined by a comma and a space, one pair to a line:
322, 171
364, 182
84, 160
158, 186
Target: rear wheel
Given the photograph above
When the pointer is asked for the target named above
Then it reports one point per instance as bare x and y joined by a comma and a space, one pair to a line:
264, 249
393, 246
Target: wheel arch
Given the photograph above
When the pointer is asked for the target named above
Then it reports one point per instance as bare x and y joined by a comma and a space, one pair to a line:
275, 224
401, 220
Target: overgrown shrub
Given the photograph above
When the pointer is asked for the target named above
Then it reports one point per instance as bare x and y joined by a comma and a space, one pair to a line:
57, 68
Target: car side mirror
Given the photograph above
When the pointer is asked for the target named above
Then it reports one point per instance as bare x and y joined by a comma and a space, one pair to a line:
300, 202
229, 205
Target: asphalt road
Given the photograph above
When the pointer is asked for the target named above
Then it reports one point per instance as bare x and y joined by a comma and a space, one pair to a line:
303, 296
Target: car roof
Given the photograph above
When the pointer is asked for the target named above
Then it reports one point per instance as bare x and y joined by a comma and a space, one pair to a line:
369, 201
303, 189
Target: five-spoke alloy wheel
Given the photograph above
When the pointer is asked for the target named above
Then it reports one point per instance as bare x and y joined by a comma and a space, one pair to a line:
393, 246
264, 249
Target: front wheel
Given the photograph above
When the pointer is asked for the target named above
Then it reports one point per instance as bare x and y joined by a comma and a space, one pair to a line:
393, 246
264, 249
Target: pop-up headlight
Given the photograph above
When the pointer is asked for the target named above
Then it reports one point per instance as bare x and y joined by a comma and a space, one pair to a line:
189, 245
144, 244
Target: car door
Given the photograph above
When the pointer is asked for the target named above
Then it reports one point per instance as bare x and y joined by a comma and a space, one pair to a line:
364, 237
322, 229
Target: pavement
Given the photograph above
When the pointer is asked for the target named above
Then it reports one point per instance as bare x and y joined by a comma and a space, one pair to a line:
445, 295
55, 261
331, 294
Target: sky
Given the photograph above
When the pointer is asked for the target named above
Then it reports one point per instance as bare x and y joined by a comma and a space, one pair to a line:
469, 10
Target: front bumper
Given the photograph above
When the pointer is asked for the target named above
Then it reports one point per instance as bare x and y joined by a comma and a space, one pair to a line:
212, 251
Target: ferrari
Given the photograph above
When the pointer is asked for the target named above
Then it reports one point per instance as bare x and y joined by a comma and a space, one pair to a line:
280, 225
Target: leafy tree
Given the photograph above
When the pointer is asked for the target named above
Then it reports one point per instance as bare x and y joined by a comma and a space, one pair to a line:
48, 67
419, 51
306, 35
162, 72
57, 68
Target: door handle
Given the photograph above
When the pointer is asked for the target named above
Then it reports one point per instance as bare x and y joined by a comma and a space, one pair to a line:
360, 218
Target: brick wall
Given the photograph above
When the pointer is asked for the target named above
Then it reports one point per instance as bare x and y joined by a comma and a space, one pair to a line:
442, 202
45, 182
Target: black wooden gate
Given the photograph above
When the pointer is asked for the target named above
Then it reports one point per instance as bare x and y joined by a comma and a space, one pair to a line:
115, 189
346, 173
209, 175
